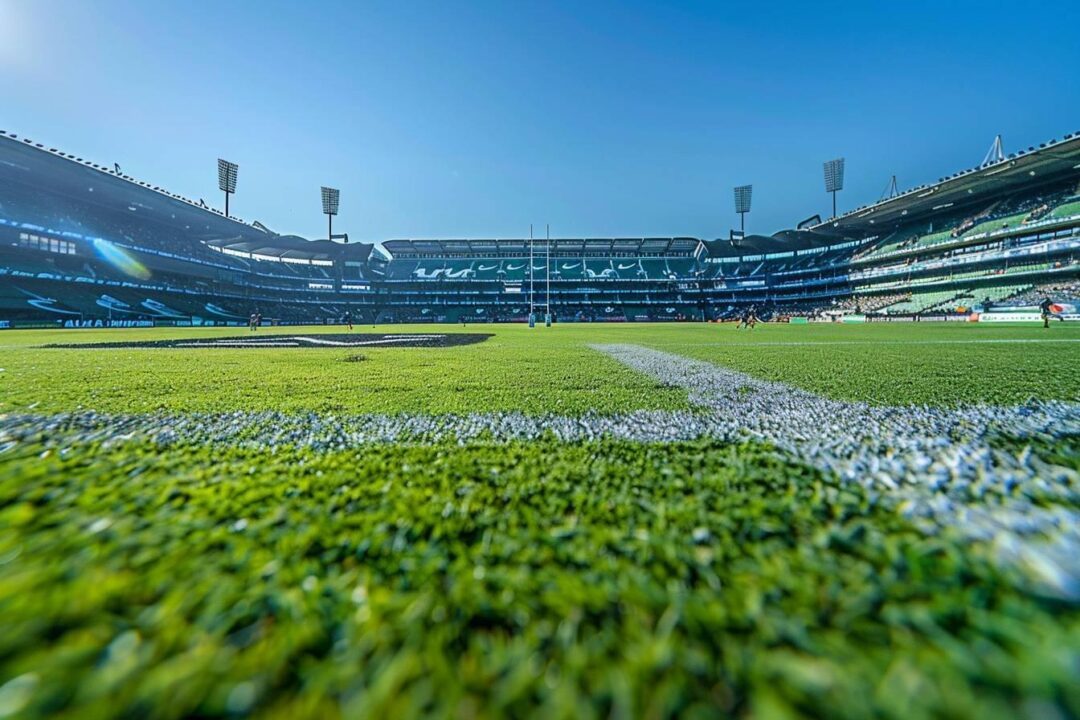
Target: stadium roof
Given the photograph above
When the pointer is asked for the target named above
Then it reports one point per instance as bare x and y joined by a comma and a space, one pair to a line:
1054, 160
649, 246
54, 171
35, 152
57, 171
784, 241
295, 247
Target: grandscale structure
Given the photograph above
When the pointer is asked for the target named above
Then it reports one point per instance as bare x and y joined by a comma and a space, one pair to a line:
84, 244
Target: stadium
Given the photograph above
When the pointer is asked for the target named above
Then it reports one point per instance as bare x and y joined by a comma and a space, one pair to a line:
369, 463
85, 245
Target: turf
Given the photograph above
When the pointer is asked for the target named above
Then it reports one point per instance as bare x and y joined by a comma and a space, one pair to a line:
507, 372
580, 581
556, 579
937, 364
539, 371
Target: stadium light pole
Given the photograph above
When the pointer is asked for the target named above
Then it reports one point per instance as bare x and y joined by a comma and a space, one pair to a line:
742, 204
330, 198
226, 180
834, 179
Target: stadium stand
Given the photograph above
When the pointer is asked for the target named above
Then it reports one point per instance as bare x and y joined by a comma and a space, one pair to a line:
1067, 292
80, 243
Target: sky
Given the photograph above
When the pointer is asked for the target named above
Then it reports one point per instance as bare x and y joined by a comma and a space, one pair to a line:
474, 119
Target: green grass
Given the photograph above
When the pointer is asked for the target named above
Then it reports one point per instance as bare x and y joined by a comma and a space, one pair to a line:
506, 372
577, 581
537, 371
889, 364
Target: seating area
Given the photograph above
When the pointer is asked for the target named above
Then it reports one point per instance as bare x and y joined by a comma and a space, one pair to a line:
995, 224
997, 294
1067, 291
165, 235
867, 303
1069, 208
920, 302
951, 300
560, 269
1001, 215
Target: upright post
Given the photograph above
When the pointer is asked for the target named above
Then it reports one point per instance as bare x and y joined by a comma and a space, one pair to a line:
532, 305
547, 292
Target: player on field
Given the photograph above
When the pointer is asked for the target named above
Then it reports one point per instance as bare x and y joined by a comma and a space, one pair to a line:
749, 319
1046, 308
348, 319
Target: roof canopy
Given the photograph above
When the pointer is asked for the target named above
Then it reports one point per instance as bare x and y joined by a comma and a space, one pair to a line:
296, 248
1052, 161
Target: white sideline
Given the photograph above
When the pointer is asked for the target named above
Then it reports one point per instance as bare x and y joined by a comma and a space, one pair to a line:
936, 465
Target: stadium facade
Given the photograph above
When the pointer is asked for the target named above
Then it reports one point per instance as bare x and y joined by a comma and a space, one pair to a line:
84, 244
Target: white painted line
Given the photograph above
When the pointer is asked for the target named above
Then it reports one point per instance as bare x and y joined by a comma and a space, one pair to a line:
937, 466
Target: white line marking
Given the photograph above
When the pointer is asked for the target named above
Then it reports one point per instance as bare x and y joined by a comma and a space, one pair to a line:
937, 466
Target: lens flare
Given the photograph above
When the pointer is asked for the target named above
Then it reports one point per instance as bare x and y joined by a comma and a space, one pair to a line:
120, 259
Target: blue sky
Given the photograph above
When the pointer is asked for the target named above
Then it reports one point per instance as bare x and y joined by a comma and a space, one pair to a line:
446, 119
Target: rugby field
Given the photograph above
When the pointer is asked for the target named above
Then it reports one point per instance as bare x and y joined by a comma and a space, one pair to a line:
578, 521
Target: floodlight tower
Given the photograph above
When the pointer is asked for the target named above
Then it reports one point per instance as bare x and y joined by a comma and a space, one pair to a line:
742, 204
834, 179
330, 197
226, 180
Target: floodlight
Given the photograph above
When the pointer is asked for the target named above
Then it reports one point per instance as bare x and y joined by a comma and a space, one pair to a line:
834, 179
742, 203
834, 175
226, 173
330, 198
226, 179
742, 198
